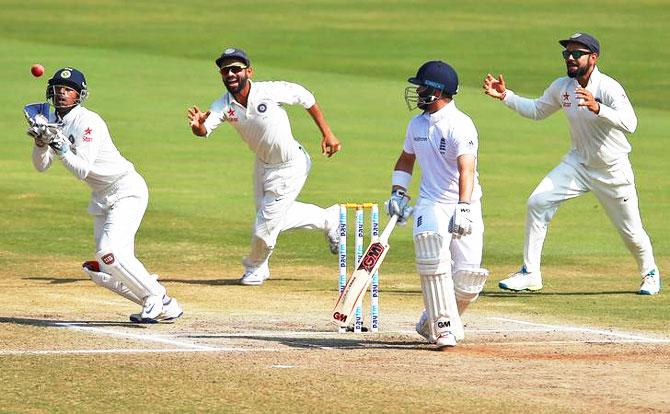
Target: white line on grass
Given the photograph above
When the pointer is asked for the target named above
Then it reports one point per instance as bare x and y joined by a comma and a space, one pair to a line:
140, 337
129, 351
562, 328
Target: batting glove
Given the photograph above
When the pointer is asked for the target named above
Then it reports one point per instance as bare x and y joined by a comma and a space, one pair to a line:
461, 222
398, 205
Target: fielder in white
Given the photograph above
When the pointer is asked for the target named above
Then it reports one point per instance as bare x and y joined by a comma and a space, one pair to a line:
600, 115
255, 110
80, 140
448, 225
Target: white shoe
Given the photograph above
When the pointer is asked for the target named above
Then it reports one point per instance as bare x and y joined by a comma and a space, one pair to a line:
171, 311
522, 280
446, 340
333, 228
153, 306
651, 283
422, 327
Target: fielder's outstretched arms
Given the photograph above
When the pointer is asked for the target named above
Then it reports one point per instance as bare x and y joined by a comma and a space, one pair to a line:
79, 138
255, 110
600, 115
448, 222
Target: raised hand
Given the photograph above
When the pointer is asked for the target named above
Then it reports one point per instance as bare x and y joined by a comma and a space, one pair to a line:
494, 87
197, 120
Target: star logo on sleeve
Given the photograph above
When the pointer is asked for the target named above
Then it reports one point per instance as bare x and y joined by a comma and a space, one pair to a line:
566, 100
87, 135
231, 116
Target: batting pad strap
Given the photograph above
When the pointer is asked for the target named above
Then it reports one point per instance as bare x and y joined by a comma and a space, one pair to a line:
430, 257
401, 179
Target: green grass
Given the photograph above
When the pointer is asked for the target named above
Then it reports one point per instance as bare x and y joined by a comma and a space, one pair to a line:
146, 62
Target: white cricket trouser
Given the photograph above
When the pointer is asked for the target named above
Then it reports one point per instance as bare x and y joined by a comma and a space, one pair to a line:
466, 252
615, 190
276, 187
117, 214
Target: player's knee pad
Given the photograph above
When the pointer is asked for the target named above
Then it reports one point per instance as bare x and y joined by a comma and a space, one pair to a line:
431, 255
92, 269
468, 283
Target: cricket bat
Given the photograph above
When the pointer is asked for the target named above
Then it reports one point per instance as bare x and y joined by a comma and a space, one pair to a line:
361, 277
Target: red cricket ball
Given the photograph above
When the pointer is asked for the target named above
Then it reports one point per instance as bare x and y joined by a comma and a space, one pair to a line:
37, 70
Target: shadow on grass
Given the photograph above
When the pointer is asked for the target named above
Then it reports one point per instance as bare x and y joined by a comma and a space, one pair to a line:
56, 323
209, 282
326, 343
541, 294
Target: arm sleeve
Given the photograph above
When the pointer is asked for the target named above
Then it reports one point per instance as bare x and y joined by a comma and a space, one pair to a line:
216, 116
617, 109
42, 157
536, 109
292, 94
466, 139
88, 148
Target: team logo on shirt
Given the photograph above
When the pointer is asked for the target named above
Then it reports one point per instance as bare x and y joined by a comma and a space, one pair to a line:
87, 135
262, 108
443, 146
231, 116
566, 100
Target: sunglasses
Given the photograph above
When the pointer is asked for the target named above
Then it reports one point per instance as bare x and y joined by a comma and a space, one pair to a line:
233, 69
576, 54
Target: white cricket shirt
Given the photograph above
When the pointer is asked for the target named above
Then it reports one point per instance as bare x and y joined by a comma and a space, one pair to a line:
437, 140
598, 140
92, 157
263, 124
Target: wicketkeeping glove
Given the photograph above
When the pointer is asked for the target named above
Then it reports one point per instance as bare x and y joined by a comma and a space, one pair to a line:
398, 205
461, 222
59, 143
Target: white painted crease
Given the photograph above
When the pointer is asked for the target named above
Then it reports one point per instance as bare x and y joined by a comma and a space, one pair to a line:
129, 351
562, 328
140, 337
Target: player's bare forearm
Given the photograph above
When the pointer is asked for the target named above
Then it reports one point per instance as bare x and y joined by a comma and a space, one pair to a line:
330, 144
405, 163
466, 177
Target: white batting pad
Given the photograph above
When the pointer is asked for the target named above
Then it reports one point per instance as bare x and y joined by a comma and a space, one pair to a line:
434, 267
107, 281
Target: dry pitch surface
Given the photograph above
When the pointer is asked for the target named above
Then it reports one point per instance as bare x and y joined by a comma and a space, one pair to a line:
228, 354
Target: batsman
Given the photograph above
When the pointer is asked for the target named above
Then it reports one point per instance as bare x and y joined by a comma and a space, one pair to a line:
448, 225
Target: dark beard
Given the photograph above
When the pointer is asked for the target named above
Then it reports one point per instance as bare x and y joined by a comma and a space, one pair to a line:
581, 71
240, 86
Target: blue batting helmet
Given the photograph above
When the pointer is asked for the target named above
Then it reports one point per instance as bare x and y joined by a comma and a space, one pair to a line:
71, 78
438, 75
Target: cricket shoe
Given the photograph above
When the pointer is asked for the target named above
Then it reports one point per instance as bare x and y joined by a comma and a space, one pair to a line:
333, 228
445, 341
255, 277
522, 280
651, 283
171, 311
153, 307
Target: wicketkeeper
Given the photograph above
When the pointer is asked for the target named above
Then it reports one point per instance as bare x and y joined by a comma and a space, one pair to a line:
80, 140
448, 223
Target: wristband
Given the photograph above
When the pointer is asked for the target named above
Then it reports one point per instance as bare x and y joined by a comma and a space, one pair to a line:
401, 179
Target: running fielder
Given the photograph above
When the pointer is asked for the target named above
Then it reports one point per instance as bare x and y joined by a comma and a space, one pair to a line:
600, 115
255, 110
80, 140
448, 223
